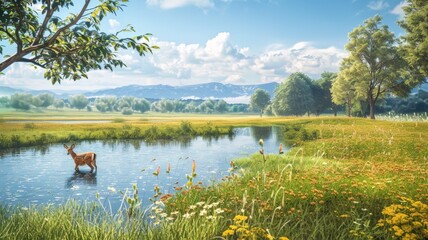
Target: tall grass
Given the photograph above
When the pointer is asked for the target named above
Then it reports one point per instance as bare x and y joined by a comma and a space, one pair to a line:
34, 134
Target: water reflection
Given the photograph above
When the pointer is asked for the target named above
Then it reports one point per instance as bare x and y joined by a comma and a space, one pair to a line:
36, 150
81, 178
261, 132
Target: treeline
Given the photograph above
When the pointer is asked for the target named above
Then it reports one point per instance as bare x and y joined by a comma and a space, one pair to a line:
126, 105
299, 95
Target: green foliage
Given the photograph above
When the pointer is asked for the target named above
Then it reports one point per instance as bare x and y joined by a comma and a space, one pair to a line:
322, 96
141, 105
374, 66
295, 134
21, 101
259, 100
294, 95
59, 103
415, 45
127, 111
78, 101
46, 99
66, 46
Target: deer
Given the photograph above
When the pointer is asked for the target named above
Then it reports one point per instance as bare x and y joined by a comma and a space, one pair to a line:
81, 159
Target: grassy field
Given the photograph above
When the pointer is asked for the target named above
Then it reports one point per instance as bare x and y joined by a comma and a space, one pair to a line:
345, 178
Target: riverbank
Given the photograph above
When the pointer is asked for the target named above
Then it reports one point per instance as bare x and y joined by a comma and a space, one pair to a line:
359, 179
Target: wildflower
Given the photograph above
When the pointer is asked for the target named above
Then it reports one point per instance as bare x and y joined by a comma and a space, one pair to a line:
169, 219
283, 238
187, 215
398, 231
239, 218
200, 203
219, 211
163, 215
344, 216
228, 232
203, 212
175, 213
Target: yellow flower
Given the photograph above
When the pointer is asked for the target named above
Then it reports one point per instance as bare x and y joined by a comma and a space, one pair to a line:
283, 238
407, 228
233, 227
344, 216
417, 224
228, 232
410, 236
239, 218
398, 231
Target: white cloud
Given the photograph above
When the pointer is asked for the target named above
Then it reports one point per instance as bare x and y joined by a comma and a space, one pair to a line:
398, 10
377, 5
113, 23
218, 60
277, 62
169, 4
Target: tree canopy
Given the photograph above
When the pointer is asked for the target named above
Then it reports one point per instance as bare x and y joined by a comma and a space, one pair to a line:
69, 47
293, 96
415, 45
260, 100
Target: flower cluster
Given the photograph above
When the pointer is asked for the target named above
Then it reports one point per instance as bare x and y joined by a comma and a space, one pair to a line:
408, 220
240, 229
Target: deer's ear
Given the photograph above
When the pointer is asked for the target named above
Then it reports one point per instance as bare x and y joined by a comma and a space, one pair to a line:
72, 146
65, 146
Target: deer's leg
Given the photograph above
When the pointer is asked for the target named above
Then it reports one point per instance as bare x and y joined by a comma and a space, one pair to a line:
92, 167
76, 168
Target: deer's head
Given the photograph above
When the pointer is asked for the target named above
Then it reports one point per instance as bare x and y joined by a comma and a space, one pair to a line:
69, 149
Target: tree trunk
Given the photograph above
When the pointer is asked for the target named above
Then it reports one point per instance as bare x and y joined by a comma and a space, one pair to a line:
261, 112
372, 105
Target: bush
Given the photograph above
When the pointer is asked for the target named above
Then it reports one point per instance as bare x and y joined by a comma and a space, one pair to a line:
127, 111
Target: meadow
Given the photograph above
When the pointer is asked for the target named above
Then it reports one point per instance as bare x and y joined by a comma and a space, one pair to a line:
344, 178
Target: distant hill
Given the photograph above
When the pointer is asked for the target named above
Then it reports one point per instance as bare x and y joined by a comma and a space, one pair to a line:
206, 90
198, 91
6, 91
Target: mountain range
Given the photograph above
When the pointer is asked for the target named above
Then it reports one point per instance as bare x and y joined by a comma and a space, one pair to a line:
197, 91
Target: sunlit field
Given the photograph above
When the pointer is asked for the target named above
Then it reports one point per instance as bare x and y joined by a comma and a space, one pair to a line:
344, 178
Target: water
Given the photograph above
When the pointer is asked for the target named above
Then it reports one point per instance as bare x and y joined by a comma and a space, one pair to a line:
40, 175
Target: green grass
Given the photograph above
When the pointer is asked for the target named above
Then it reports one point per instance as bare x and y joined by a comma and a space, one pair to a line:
353, 181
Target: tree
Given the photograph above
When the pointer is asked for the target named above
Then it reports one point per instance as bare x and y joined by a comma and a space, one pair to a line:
343, 89
79, 101
59, 103
141, 105
21, 101
324, 101
46, 99
221, 106
66, 47
375, 65
4, 101
293, 96
415, 45
260, 100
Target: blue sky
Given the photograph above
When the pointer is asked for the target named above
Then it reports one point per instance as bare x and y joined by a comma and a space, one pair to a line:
228, 41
